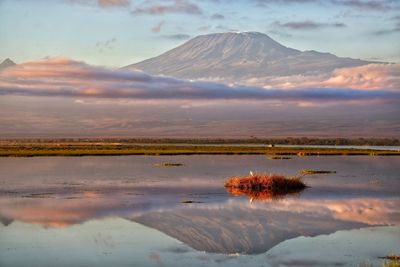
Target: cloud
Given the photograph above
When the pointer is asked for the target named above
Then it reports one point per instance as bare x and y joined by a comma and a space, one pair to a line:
280, 33
113, 3
204, 28
367, 5
283, 2
308, 25
217, 16
394, 29
65, 77
158, 27
367, 77
225, 28
372, 76
102, 3
387, 31
106, 45
179, 36
396, 18
59, 213
178, 6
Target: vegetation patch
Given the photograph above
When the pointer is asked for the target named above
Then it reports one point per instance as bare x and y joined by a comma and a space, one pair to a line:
82, 148
39, 195
377, 182
264, 187
167, 164
278, 157
190, 202
391, 261
308, 171
391, 257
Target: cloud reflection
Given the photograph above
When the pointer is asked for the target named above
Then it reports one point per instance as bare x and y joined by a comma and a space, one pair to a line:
55, 212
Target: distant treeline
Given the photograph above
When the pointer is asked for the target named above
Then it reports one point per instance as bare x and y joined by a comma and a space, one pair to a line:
267, 141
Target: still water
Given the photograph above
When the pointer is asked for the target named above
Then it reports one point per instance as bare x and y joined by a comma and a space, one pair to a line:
126, 211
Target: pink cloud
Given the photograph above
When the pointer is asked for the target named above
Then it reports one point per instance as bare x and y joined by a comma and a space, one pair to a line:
103, 3
66, 77
372, 76
178, 6
111, 3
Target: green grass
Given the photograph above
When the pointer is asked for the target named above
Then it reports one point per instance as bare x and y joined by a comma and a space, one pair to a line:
116, 149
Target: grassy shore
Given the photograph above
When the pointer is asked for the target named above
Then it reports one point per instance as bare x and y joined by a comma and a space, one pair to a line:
115, 149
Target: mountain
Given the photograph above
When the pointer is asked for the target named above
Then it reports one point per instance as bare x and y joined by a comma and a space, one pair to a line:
235, 56
240, 230
7, 63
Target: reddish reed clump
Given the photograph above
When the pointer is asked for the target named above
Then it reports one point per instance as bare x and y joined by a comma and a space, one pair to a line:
264, 187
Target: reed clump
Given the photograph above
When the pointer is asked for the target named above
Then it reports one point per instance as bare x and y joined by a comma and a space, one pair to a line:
308, 171
391, 261
392, 257
263, 187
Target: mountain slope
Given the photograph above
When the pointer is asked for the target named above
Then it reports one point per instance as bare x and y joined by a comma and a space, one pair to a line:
240, 230
233, 56
7, 63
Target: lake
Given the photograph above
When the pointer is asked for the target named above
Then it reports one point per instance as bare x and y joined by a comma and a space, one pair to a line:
132, 211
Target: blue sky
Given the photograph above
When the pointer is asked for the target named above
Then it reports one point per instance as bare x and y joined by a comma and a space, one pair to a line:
121, 32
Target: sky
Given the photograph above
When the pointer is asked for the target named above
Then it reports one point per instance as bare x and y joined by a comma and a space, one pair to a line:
116, 33
68, 81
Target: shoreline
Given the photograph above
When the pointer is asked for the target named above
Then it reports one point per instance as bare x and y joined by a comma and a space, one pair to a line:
84, 149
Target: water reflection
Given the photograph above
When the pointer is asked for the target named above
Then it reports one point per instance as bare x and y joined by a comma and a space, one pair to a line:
233, 231
240, 227
231, 226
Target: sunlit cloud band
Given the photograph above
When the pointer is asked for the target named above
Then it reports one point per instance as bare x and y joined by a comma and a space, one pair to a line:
65, 77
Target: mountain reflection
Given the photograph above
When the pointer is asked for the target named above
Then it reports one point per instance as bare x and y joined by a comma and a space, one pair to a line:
261, 195
240, 230
228, 226
240, 227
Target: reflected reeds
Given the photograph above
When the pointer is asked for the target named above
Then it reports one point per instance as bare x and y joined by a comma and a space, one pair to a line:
264, 187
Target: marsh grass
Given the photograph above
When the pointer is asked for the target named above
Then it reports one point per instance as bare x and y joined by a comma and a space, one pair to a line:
190, 201
278, 157
391, 261
308, 171
391, 257
167, 164
376, 182
264, 187
15, 149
